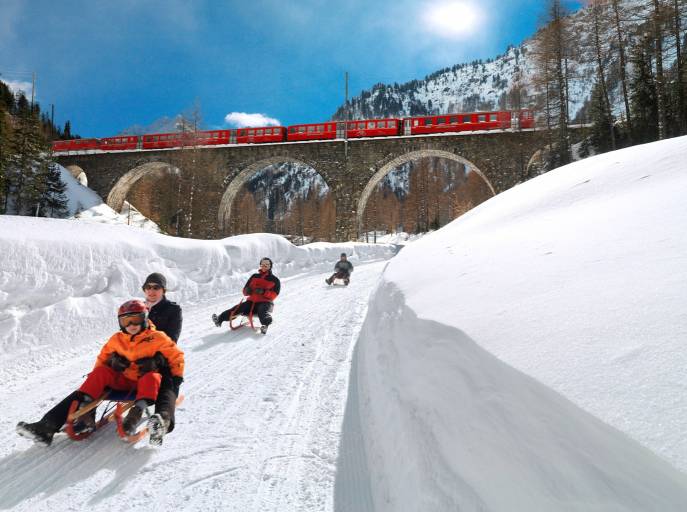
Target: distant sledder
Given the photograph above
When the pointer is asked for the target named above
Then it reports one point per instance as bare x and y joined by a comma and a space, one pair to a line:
342, 271
260, 291
129, 365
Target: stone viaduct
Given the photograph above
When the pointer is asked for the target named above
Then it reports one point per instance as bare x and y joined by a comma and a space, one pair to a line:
213, 176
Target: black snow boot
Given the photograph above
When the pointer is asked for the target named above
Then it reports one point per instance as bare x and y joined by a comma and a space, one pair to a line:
216, 320
263, 329
132, 420
85, 423
39, 432
158, 424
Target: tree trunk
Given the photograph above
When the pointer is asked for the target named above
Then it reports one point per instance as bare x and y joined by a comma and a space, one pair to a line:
623, 70
660, 77
596, 13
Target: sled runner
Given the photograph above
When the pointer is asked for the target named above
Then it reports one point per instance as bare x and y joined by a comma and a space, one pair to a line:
337, 281
243, 320
119, 402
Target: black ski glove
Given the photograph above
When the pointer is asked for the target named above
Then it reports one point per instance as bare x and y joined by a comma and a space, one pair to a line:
156, 363
249, 290
259, 291
117, 362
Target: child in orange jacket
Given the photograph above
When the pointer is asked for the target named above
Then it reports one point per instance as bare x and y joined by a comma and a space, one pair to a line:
133, 359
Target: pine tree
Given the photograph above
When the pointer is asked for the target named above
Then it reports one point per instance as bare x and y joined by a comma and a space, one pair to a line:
5, 136
30, 164
54, 202
601, 121
643, 94
621, 45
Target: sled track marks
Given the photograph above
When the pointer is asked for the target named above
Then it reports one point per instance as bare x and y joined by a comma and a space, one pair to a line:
259, 429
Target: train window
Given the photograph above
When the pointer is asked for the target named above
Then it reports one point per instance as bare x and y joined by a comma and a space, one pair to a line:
301, 129
311, 129
370, 124
258, 132
380, 124
481, 118
361, 126
453, 119
441, 120
492, 117
428, 122
466, 119
390, 124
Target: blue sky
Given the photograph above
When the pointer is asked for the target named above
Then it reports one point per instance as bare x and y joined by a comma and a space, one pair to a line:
110, 65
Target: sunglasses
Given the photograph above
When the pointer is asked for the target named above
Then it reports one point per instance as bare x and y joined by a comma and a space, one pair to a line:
126, 321
152, 287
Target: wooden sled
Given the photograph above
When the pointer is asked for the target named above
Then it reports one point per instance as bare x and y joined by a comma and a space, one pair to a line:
242, 320
118, 403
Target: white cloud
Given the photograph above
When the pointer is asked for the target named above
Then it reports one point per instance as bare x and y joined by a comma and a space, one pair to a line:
19, 86
245, 120
453, 19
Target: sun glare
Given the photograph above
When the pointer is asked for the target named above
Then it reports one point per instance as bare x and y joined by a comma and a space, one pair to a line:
452, 18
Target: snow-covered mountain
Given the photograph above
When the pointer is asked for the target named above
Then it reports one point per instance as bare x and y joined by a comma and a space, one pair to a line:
485, 85
276, 187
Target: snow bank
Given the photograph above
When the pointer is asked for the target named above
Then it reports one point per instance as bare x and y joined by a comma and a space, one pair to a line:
61, 280
575, 279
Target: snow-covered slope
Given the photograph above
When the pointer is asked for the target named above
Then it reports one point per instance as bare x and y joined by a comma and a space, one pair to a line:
527, 357
494, 346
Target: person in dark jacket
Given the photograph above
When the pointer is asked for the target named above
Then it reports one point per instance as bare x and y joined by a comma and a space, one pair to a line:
166, 316
342, 270
261, 289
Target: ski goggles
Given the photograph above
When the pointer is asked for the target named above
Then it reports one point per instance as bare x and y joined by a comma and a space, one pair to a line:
152, 287
127, 320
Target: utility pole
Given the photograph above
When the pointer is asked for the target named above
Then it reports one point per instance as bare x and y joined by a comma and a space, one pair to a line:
33, 89
346, 118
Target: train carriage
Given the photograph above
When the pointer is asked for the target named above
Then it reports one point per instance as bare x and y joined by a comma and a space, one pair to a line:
457, 122
163, 140
74, 145
524, 119
260, 134
211, 137
373, 128
318, 131
120, 142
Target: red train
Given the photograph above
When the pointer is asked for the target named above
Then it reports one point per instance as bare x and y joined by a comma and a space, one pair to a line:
329, 130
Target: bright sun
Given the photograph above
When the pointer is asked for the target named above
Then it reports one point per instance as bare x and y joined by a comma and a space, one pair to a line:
452, 18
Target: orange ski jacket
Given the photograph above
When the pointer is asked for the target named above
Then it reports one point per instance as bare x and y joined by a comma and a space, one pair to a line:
144, 344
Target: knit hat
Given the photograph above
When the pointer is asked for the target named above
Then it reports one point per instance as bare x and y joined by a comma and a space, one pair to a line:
343, 254
156, 278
